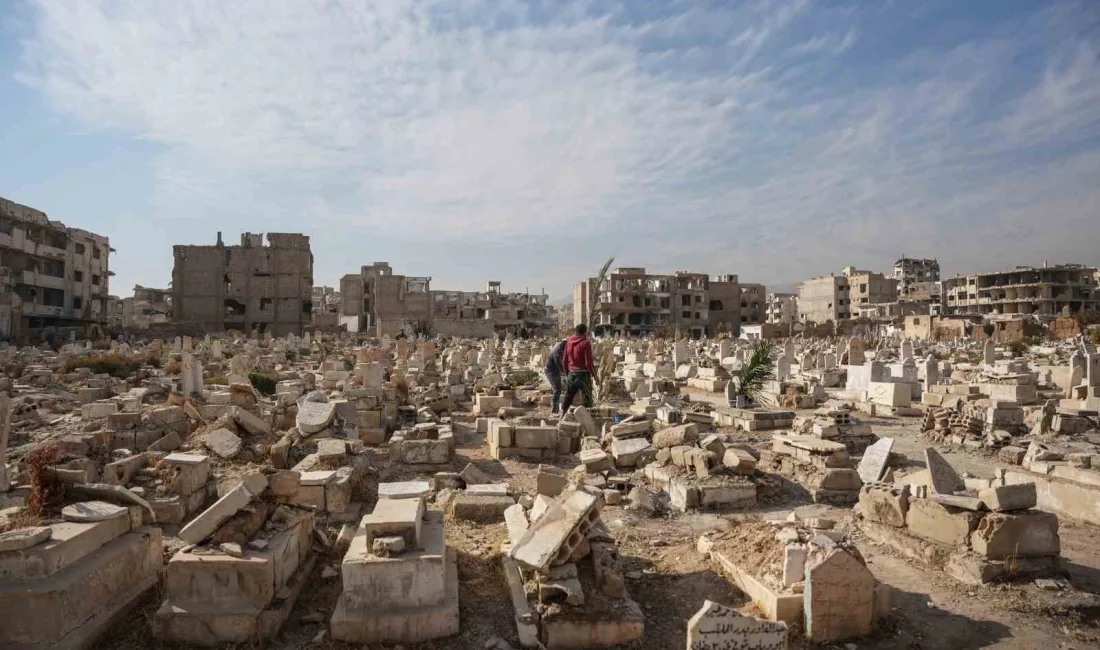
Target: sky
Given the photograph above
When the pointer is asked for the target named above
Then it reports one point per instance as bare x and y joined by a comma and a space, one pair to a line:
526, 142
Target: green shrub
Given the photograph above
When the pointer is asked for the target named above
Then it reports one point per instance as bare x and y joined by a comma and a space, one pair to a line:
264, 384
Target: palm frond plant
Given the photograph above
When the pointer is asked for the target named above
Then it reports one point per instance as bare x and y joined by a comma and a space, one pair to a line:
748, 381
605, 357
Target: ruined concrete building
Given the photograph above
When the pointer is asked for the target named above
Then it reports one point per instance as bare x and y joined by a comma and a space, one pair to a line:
631, 302
147, 307
266, 287
919, 283
378, 301
326, 307
53, 276
754, 304
114, 312
781, 308
839, 297
908, 271
1043, 291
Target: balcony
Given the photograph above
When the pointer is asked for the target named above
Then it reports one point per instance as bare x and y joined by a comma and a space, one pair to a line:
38, 280
48, 311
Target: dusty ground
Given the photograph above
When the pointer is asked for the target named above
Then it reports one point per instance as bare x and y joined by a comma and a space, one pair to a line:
670, 580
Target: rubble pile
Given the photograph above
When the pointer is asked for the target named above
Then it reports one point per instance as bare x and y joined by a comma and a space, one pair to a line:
975, 536
801, 573
562, 569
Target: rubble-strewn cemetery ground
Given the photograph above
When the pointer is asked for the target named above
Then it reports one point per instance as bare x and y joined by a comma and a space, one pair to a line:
243, 481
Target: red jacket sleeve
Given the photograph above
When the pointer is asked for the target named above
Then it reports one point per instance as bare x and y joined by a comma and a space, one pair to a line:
586, 355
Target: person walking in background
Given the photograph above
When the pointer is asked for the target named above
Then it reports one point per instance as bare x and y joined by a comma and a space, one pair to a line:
554, 371
579, 366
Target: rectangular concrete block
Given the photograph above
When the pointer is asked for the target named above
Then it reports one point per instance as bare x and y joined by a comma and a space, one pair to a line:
396, 517
536, 437
69, 543
1003, 498
939, 523
1022, 534
76, 606
412, 579
484, 508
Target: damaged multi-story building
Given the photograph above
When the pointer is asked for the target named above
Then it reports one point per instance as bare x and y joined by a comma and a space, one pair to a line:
841, 297
632, 302
267, 287
326, 307
378, 301
1024, 290
54, 278
918, 285
782, 308
754, 304
147, 307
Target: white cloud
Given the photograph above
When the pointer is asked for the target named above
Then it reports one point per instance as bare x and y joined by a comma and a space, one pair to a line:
730, 140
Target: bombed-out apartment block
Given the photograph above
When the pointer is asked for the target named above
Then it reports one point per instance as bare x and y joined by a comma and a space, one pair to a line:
754, 304
781, 309
55, 276
909, 271
631, 302
147, 307
919, 283
375, 300
251, 286
1045, 291
838, 297
326, 307
114, 312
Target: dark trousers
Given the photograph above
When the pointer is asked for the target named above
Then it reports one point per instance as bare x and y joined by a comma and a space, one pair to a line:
580, 381
555, 385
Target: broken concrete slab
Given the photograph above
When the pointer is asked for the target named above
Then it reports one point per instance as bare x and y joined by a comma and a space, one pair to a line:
404, 490
89, 511
314, 417
208, 521
945, 480
1003, 498
874, 460
474, 476
24, 538
222, 442
554, 536
716, 627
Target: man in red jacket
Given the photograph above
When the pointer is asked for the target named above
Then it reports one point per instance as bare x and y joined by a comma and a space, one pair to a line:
578, 365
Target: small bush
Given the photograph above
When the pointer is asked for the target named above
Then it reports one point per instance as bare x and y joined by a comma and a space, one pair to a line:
115, 365
304, 352
152, 359
1018, 348
264, 384
173, 368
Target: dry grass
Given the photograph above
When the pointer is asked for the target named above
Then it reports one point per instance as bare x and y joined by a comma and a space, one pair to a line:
115, 365
45, 488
